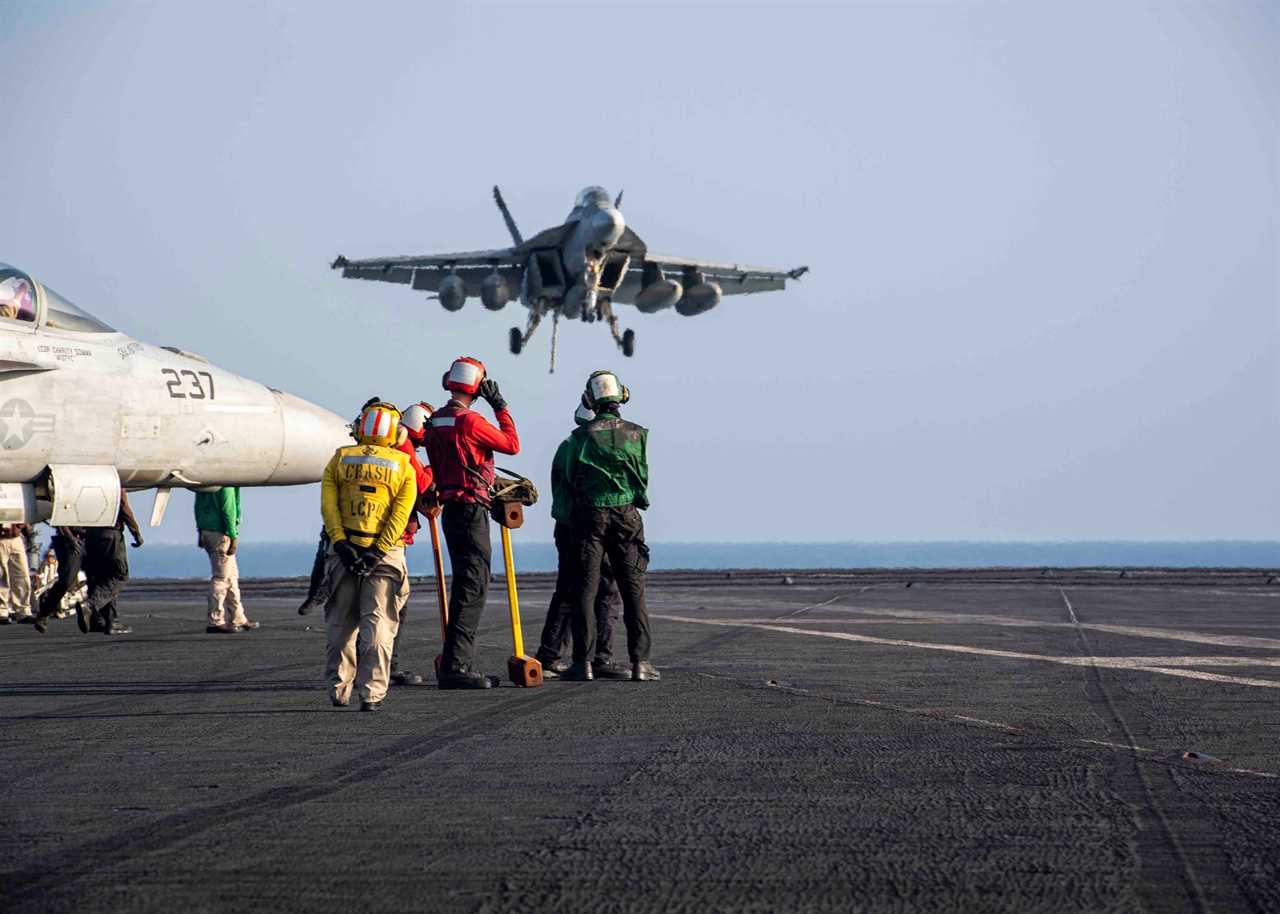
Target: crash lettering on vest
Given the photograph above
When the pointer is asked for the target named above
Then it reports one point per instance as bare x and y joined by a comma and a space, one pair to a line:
365, 473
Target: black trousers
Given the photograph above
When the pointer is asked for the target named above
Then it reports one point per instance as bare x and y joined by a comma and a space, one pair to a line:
106, 565
70, 555
556, 629
466, 534
617, 533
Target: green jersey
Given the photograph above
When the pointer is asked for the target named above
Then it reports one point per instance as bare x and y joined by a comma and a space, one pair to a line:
606, 465
219, 511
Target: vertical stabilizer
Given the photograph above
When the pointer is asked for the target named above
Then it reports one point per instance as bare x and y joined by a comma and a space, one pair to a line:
506, 216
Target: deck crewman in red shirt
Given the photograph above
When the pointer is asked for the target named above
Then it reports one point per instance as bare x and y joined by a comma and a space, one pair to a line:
460, 446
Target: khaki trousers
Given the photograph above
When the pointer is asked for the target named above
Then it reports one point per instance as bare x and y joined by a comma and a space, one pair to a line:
15, 578
370, 608
224, 580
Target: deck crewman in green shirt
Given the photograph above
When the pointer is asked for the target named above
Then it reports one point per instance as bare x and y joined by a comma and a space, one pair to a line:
607, 471
218, 520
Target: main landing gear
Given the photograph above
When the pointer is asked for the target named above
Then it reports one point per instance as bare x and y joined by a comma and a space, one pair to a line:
603, 310
519, 340
626, 341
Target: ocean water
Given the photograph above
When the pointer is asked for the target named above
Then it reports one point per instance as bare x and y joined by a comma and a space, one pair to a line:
289, 559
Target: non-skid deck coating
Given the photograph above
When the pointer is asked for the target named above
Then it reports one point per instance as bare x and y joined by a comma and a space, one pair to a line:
976, 741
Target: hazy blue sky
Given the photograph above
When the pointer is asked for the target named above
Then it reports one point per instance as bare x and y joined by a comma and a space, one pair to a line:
1044, 237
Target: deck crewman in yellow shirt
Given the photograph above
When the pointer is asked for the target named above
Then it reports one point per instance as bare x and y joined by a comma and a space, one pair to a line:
366, 498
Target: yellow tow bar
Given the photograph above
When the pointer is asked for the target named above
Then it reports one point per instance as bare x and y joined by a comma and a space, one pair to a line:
522, 670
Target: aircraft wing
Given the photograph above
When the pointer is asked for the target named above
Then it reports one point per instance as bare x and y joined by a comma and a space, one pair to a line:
733, 278
425, 271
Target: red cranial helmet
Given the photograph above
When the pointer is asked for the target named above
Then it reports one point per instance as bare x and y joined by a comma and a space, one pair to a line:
415, 417
464, 375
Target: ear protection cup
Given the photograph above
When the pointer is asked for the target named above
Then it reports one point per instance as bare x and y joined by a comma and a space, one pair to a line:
444, 380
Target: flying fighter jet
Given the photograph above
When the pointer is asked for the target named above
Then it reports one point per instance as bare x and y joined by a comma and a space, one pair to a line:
579, 269
85, 408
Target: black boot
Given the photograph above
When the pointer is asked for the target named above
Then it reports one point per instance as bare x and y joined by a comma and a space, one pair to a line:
464, 679
554, 668
579, 672
607, 669
644, 671
406, 678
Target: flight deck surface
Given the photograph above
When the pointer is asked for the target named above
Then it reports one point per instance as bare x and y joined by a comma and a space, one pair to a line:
986, 741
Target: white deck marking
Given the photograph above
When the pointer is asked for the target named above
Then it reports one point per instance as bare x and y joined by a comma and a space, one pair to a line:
1071, 610
984, 723
955, 618
839, 596
1145, 664
1165, 634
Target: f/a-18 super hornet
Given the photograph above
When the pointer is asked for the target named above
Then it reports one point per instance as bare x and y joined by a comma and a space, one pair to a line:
577, 270
85, 409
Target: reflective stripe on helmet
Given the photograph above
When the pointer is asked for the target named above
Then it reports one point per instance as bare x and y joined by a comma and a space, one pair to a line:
466, 373
415, 417
604, 385
376, 424
379, 423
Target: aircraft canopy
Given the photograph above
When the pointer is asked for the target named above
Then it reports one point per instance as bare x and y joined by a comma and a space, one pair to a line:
20, 301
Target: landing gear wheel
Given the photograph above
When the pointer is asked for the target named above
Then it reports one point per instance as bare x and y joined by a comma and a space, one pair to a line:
629, 343
517, 340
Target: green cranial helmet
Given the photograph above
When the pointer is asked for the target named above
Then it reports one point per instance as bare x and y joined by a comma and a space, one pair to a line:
604, 388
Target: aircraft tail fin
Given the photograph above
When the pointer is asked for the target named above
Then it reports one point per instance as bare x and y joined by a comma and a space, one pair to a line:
506, 216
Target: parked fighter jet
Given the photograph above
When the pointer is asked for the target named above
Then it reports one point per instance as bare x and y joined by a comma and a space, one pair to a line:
84, 408
579, 269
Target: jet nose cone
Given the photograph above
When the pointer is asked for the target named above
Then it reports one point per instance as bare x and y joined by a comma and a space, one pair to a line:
311, 435
606, 226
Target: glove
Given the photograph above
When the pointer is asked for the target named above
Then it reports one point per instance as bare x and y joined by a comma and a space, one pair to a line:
489, 391
348, 554
369, 560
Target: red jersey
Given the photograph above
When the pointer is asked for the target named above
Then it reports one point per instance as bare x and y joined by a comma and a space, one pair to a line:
460, 438
423, 476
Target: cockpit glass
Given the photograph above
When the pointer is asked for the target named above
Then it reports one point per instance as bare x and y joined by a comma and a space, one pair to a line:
62, 315
17, 295
592, 196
